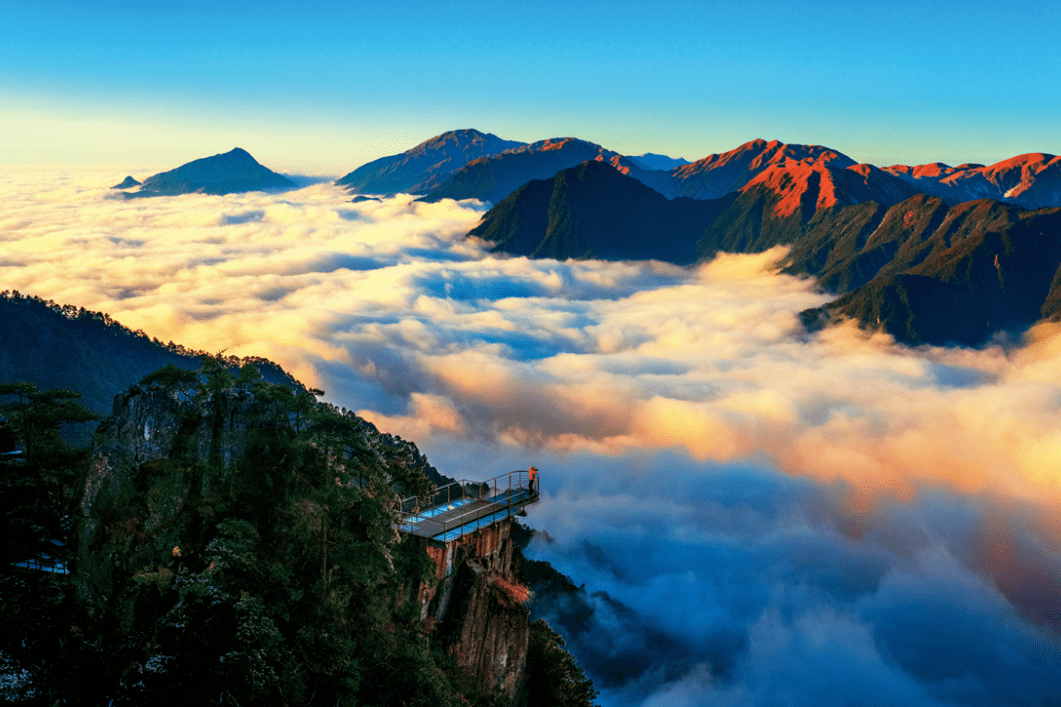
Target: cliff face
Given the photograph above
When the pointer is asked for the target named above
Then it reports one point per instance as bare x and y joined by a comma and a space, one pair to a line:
476, 598
153, 463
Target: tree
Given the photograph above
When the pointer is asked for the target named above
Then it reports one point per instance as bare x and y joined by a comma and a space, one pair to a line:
183, 382
40, 487
553, 679
36, 417
38, 490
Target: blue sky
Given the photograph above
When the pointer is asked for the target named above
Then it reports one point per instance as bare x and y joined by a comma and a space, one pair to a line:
324, 88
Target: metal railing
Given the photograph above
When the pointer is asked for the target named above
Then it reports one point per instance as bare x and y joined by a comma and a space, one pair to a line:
43, 563
486, 503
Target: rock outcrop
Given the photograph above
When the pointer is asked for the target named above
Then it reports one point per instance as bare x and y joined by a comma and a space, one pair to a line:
162, 452
149, 471
476, 598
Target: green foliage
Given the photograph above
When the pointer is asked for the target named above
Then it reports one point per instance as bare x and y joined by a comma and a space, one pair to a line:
38, 490
59, 346
183, 381
36, 418
553, 679
276, 577
40, 487
271, 576
216, 372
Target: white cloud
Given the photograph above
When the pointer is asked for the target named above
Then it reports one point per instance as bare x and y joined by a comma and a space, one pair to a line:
628, 382
577, 355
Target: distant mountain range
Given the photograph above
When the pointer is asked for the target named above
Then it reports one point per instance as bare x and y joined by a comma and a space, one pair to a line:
1032, 180
468, 164
652, 161
930, 254
229, 173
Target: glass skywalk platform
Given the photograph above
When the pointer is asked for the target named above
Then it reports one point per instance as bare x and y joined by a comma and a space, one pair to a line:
466, 506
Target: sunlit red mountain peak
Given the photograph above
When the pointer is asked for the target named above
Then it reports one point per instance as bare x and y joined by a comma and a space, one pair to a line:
933, 170
813, 185
718, 174
618, 162
811, 177
1032, 180
1034, 175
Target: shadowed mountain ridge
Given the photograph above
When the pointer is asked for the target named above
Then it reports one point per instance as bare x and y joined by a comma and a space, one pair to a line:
228, 173
426, 166
493, 178
594, 211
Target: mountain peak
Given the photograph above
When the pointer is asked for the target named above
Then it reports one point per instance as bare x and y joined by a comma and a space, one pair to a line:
127, 183
1031, 160
230, 172
716, 175
593, 210
493, 177
424, 167
459, 138
559, 143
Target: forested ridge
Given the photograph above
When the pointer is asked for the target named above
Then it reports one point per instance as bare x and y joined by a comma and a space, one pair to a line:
59, 346
229, 540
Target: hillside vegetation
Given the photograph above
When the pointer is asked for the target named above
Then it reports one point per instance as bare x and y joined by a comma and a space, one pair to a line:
229, 541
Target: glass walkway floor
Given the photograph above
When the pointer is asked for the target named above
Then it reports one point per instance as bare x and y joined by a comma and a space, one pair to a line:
466, 506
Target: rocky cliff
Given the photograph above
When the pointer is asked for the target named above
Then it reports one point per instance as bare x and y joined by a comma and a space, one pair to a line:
475, 596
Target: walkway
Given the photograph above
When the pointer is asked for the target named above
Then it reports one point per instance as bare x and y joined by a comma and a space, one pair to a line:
466, 506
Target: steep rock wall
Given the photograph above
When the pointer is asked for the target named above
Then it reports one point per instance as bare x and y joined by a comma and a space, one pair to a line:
153, 461
476, 597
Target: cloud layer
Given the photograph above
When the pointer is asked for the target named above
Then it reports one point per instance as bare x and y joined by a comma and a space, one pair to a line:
661, 403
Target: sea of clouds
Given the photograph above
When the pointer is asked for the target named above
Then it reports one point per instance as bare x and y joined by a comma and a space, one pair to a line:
758, 515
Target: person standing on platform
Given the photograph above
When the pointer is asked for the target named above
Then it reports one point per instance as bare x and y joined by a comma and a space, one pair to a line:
533, 479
